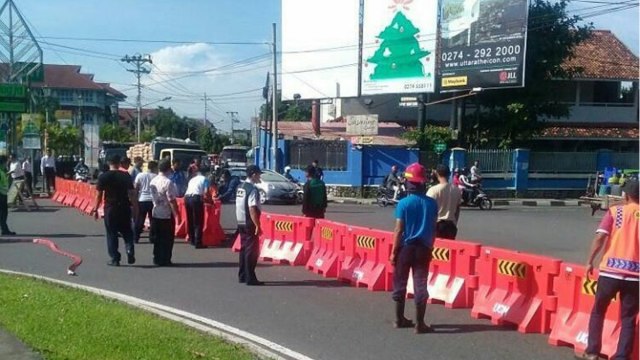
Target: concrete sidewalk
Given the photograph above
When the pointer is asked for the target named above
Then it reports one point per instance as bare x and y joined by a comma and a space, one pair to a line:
496, 202
12, 349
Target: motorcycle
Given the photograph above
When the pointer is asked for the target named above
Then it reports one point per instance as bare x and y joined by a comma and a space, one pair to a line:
81, 175
384, 195
478, 199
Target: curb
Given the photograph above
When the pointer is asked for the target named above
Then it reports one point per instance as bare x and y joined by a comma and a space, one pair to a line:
499, 202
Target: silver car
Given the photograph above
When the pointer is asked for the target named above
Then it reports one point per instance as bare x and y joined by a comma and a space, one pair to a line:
273, 187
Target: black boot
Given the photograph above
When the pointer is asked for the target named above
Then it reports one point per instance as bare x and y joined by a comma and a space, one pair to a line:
421, 327
401, 321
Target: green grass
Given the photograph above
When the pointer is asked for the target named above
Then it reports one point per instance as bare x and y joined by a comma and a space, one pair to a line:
68, 324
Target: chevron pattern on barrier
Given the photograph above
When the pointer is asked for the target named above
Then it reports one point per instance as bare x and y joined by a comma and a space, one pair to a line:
512, 268
441, 254
589, 287
366, 242
285, 226
326, 233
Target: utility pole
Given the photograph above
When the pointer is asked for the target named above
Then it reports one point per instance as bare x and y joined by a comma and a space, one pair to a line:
138, 60
206, 100
274, 104
233, 119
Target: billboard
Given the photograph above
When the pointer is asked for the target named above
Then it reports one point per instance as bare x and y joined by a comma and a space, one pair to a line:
399, 45
482, 43
319, 48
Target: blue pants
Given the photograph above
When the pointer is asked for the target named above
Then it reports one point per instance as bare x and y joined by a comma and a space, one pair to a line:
249, 253
607, 290
117, 221
414, 257
195, 218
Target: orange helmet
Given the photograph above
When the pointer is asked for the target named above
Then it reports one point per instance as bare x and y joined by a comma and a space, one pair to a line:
416, 173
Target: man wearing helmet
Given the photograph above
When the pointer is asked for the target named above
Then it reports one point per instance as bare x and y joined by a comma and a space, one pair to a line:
287, 174
413, 236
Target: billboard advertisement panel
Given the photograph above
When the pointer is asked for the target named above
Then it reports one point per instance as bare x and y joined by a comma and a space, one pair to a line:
482, 43
319, 48
399, 46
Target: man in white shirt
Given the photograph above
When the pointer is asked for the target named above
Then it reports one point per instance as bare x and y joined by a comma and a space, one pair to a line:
448, 198
476, 173
142, 185
194, 202
248, 215
28, 175
48, 171
165, 214
15, 168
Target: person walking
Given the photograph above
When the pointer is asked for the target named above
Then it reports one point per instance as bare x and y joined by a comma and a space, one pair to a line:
142, 185
4, 191
48, 171
28, 175
617, 238
248, 213
413, 237
17, 176
120, 202
137, 167
194, 202
314, 197
448, 198
165, 214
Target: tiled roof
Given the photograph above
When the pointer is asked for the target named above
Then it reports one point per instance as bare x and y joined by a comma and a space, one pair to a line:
567, 132
603, 56
388, 133
70, 77
131, 114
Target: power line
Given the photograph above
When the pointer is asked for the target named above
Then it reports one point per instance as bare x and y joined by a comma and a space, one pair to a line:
138, 61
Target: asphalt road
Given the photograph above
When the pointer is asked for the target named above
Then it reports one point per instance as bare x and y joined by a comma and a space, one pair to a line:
318, 317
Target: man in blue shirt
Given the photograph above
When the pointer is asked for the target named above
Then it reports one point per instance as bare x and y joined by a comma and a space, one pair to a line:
416, 217
178, 177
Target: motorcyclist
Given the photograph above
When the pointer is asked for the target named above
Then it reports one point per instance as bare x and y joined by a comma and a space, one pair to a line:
287, 174
228, 186
393, 181
467, 186
81, 170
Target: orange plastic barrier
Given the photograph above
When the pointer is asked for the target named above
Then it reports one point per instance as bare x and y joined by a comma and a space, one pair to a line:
264, 224
181, 228
212, 233
516, 288
71, 195
287, 239
61, 190
576, 295
328, 249
366, 258
452, 274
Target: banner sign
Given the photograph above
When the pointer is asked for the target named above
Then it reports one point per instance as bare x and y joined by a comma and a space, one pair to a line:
399, 45
482, 43
362, 125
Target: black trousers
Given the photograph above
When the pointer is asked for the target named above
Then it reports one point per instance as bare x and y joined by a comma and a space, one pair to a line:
446, 229
607, 290
249, 253
50, 177
117, 221
162, 235
195, 218
4, 213
28, 181
144, 211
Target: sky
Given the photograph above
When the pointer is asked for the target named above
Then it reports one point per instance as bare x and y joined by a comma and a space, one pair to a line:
199, 30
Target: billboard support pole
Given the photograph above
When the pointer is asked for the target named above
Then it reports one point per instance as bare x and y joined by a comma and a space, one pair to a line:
274, 104
422, 112
360, 41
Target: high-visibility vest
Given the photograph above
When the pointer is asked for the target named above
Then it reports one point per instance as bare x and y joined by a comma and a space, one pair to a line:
621, 252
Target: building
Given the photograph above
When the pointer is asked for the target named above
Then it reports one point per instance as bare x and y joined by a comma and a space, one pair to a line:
128, 117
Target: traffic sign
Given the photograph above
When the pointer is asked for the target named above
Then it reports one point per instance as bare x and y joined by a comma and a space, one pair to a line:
439, 147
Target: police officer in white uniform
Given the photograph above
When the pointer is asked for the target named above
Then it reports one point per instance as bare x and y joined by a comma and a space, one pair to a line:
248, 216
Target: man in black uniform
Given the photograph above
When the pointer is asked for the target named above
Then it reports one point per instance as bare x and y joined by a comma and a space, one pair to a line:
248, 216
120, 201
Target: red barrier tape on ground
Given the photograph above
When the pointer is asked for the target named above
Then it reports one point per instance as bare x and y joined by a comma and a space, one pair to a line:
71, 269
516, 288
366, 258
576, 296
328, 249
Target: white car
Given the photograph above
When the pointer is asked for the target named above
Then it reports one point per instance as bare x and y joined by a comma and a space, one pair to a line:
273, 187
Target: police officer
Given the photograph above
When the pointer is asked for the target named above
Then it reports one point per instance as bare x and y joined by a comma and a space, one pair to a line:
248, 216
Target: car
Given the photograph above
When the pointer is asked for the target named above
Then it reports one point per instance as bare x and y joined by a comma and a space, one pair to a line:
273, 187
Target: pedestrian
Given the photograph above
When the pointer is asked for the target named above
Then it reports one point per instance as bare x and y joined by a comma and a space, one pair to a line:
617, 238
164, 216
194, 202
137, 167
115, 188
194, 167
228, 187
178, 177
142, 184
48, 170
448, 198
248, 213
314, 197
125, 163
4, 190
318, 170
28, 175
413, 237
17, 175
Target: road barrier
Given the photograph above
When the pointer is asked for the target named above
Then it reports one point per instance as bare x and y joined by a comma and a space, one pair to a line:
328, 248
212, 233
366, 258
181, 227
287, 239
576, 296
516, 288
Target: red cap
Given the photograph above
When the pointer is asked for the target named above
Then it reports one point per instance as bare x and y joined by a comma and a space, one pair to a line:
416, 173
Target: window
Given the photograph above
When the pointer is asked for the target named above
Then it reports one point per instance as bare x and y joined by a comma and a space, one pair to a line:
331, 155
88, 96
65, 96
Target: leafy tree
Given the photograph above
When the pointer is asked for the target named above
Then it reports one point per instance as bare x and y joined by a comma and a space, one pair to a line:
63, 140
115, 132
205, 138
220, 141
508, 120
426, 139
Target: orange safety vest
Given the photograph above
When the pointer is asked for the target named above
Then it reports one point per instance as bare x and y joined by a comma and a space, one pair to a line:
621, 252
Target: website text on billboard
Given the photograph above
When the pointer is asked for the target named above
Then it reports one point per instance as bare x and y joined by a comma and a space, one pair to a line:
483, 43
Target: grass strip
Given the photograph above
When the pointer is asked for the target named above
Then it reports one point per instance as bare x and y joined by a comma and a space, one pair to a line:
68, 324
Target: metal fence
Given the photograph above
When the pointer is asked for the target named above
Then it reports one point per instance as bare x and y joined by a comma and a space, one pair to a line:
331, 155
563, 162
492, 160
625, 160
431, 159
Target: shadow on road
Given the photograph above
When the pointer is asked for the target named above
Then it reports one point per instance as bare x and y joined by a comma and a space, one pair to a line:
209, 265
316, 283
468, 328
59, 236
35, 210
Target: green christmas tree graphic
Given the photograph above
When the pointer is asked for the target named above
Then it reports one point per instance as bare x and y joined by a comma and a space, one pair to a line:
399, 53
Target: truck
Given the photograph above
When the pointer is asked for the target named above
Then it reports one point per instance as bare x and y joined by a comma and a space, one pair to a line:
162, 147
108, 149
234, 156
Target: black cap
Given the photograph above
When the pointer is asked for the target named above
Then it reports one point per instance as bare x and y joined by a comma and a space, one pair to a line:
443, 170
630, 187
253, 169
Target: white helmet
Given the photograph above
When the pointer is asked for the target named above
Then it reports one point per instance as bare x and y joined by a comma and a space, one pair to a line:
287, 168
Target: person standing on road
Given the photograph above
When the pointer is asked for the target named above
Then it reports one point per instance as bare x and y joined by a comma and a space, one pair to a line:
120, 201
248, 215
142, 184
165, 214
314, 197
413, 237
178, 178
317, 169
617, 237
125, 163
48, 170
28, 175
194, 203
4, 190
137, 167
194, 167
448, 198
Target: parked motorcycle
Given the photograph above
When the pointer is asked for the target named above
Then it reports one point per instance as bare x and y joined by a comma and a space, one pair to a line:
479, 199
384, 195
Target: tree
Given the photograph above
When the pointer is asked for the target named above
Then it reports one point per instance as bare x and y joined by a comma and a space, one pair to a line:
507, 121
426, 139
297, 111
399, 53
205, 138
115, 132
63, 140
